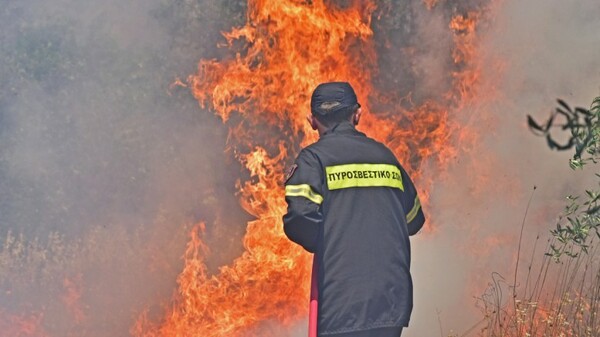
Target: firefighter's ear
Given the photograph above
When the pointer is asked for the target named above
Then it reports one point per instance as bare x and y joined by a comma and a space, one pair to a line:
312, 121
356, 116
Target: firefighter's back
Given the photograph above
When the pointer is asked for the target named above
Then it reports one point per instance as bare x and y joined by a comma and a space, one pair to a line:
364, 250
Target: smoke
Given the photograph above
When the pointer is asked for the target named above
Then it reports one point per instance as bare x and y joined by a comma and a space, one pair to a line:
533, 52
104, 165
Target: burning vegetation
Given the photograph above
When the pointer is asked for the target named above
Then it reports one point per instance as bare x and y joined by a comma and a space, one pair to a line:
287, 48
258, 85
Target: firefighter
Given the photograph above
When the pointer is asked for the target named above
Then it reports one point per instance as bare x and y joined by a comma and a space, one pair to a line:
352, 204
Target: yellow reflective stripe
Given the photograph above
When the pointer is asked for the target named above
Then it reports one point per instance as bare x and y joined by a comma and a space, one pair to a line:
413, 212
303, 190
363, 175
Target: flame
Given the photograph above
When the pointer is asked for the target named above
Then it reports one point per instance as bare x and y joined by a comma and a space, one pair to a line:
22, 325
291, 48
262, 94
567, 316
71, 298
430, 3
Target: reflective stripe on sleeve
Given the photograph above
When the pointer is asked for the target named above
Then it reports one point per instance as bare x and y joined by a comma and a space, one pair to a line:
303, 190
363, 175
413, 212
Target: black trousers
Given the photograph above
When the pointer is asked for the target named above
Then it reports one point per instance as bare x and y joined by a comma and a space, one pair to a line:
381, 332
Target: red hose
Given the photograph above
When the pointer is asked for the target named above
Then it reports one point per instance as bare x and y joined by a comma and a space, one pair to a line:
314, 301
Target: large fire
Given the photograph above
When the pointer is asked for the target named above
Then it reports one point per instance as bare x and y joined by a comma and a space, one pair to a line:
261, 92
285, 49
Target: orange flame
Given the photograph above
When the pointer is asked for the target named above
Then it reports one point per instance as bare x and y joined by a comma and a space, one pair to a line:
430, 3
291, 47
21, 325
72, 297
262, 93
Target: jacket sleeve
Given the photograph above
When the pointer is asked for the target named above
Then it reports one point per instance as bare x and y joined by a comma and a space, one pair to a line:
303, 194
415, 218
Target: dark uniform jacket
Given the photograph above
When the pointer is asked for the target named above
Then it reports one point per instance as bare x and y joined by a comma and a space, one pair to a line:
353, 205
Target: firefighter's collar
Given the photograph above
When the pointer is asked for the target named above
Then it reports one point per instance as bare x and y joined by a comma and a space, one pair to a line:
345, 127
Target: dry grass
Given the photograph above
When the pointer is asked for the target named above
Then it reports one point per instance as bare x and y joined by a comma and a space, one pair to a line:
91, 286
558, 299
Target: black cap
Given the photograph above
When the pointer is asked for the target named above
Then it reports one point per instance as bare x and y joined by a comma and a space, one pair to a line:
332, 92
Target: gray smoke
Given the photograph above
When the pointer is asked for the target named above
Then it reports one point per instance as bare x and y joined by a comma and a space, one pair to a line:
104, 166
534, 52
